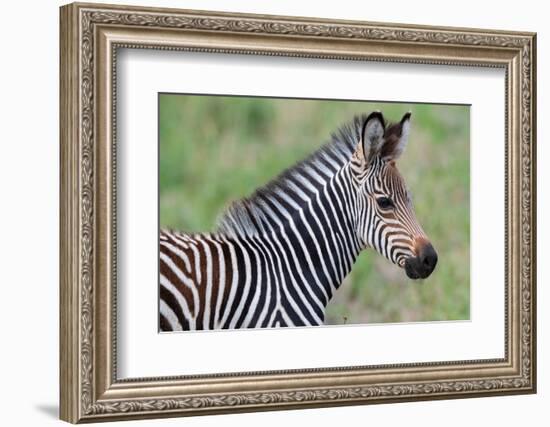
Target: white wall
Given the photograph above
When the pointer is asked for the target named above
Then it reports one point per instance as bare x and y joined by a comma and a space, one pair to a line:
29, 170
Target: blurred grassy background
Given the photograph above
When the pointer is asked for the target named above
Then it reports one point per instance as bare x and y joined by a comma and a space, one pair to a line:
217, 149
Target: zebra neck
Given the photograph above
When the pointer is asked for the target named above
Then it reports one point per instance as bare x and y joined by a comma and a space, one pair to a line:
313, 227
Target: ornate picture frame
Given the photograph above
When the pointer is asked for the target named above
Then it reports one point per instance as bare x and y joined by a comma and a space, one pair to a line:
90, 37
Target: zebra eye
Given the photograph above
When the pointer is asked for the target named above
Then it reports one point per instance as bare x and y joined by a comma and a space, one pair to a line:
385, 202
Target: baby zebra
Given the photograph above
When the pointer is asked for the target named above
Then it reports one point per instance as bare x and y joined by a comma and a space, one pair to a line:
278, 256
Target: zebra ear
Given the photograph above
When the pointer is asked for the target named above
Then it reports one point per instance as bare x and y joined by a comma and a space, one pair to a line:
396, 138
372, 134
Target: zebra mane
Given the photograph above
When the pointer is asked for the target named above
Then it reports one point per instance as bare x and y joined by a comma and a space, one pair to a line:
246, 217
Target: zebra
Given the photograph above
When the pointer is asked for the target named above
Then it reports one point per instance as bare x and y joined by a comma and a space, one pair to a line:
278, 256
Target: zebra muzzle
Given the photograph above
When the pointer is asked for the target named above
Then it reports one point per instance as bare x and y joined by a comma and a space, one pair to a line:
422, 265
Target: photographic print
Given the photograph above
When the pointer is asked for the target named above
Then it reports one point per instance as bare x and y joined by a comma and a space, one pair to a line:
309, 195
302, 212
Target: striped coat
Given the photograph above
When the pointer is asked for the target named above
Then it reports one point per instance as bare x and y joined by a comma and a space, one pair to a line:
279, 255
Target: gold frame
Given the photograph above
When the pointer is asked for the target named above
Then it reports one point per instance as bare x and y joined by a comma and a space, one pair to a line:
90, 36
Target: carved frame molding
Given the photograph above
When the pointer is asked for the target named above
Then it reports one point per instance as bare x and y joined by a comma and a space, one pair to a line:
90, 37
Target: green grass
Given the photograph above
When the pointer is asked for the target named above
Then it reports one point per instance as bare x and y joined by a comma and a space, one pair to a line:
217, 149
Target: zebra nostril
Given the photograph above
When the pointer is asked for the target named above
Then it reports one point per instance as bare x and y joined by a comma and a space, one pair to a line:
428, 257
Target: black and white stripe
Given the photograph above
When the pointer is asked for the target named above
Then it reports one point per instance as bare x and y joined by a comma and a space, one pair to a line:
279, 255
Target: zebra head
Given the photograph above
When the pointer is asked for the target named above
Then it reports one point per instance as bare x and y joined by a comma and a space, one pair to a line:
385, 216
